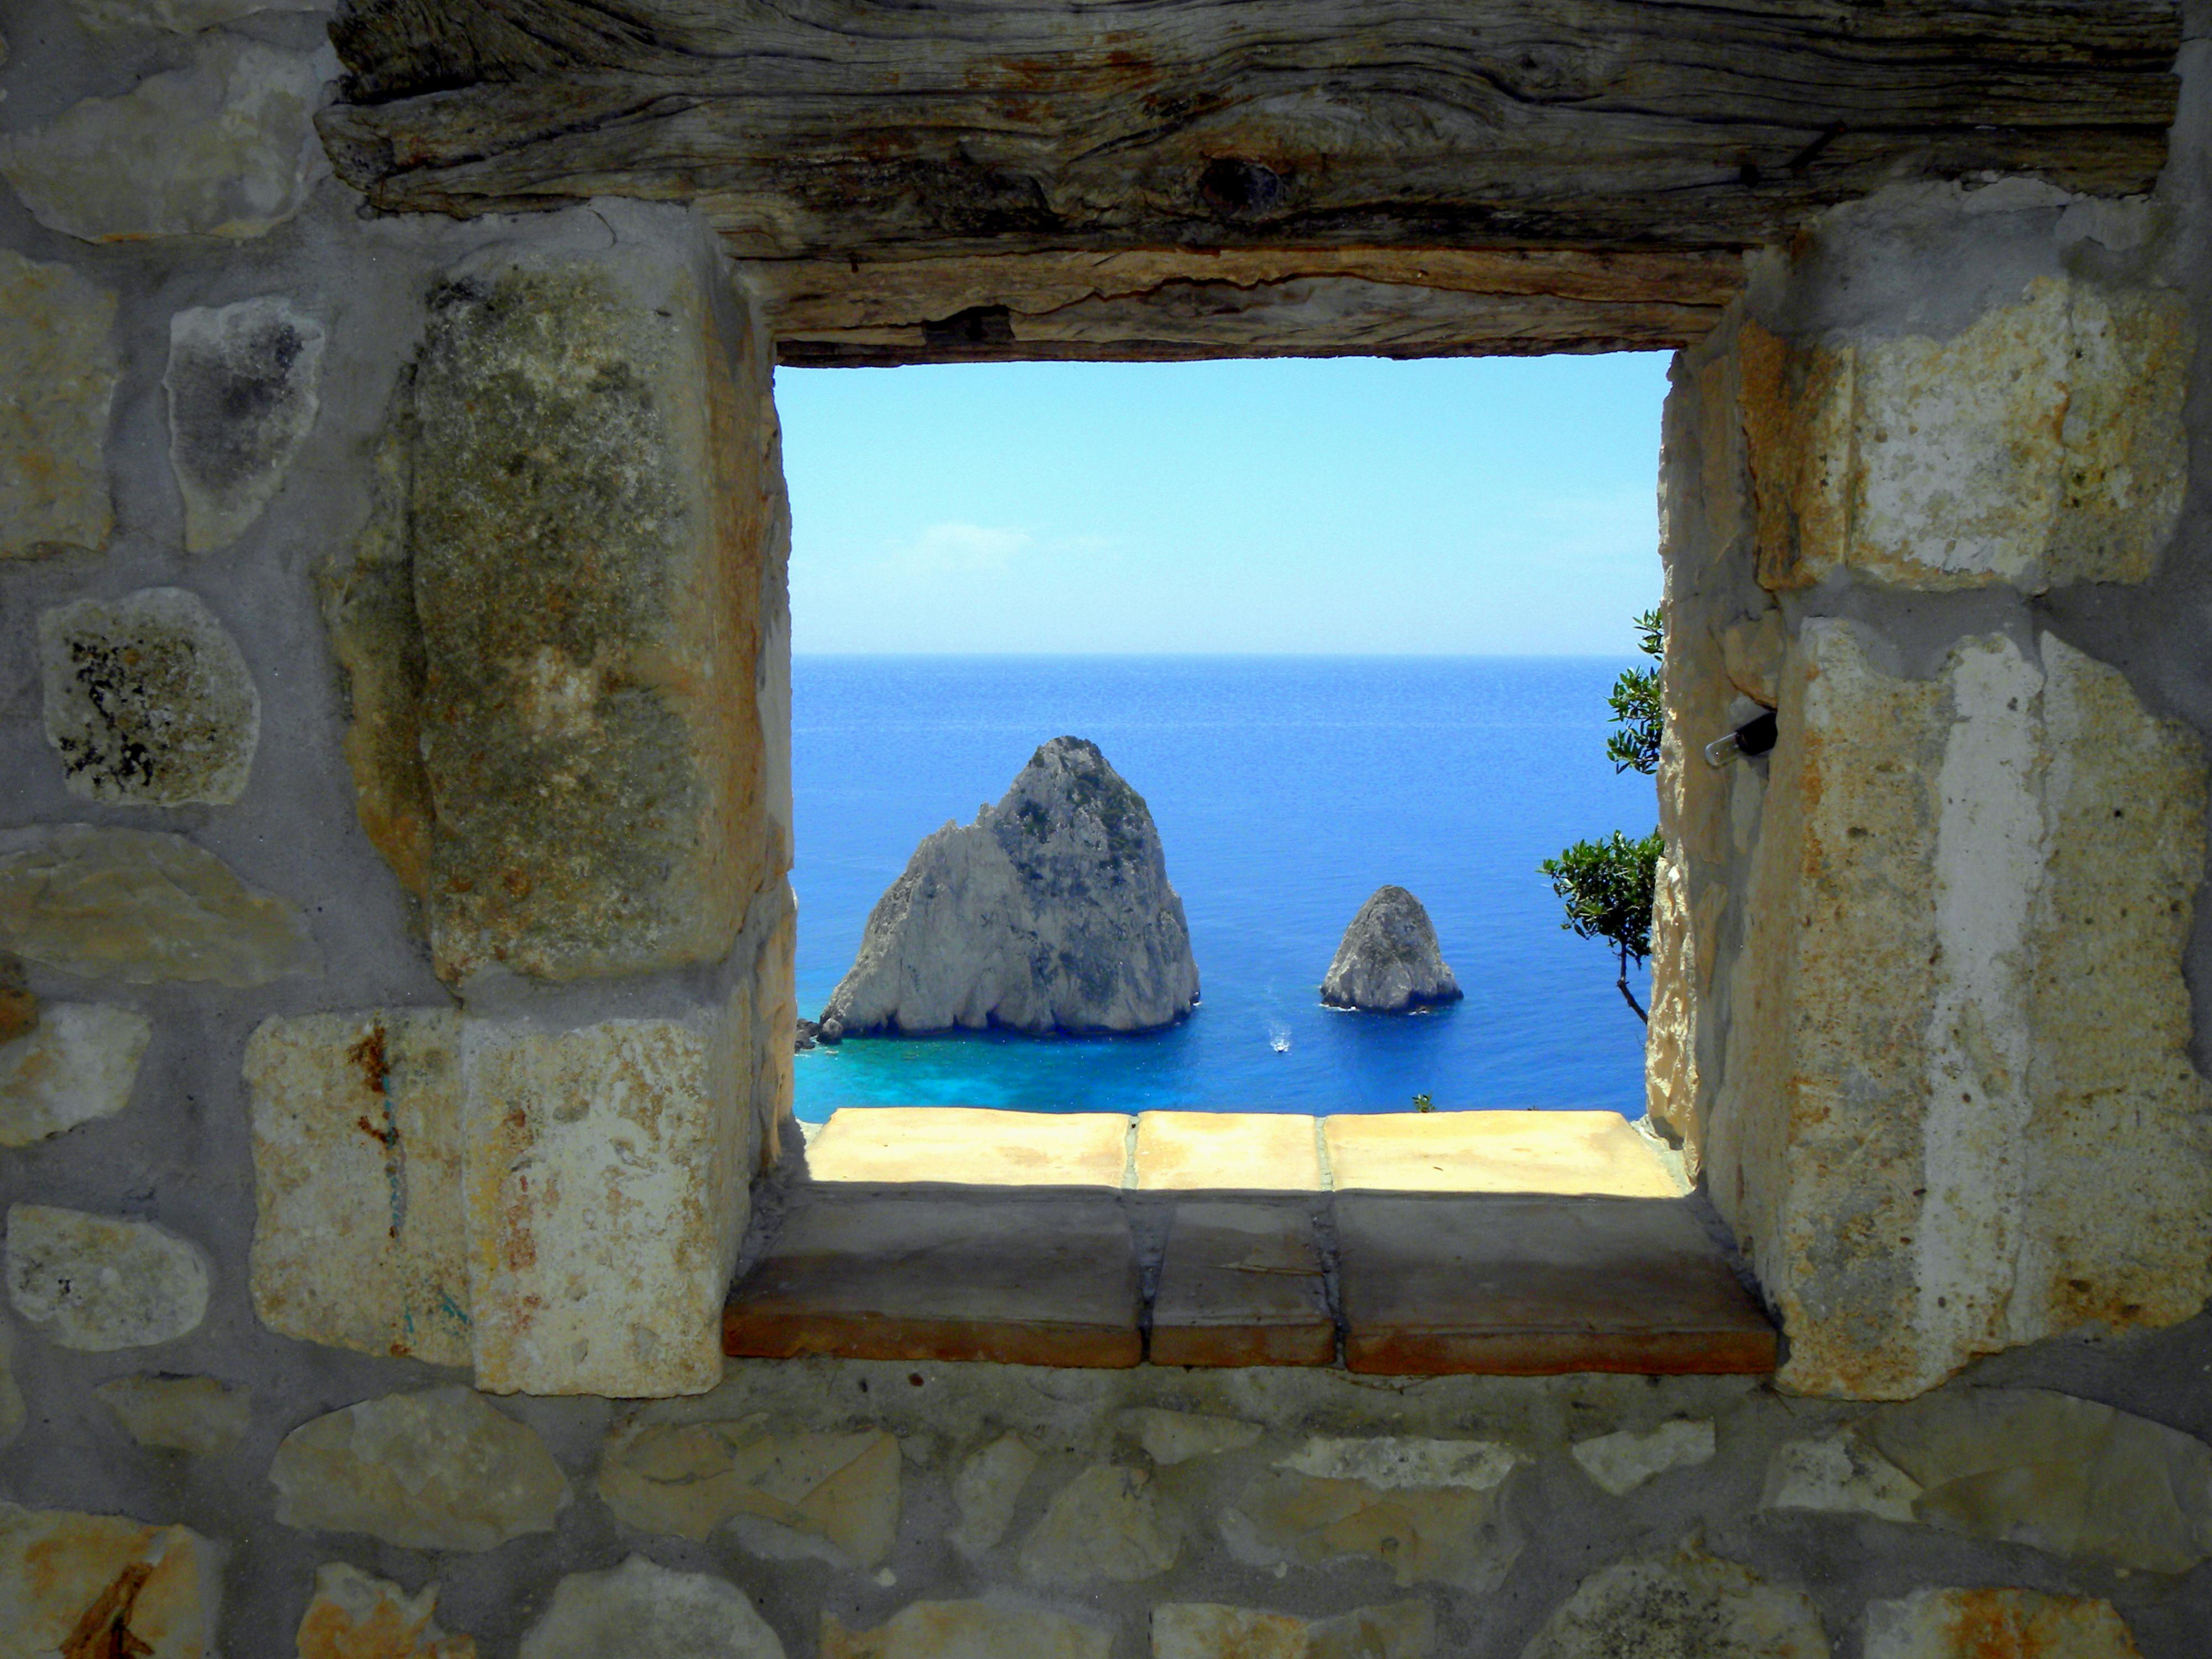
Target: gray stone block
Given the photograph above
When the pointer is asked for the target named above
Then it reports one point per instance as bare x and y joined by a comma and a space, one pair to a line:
147, 701
244, 383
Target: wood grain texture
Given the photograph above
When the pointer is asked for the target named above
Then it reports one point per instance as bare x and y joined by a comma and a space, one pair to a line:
860, 134
1175, 304
815, 126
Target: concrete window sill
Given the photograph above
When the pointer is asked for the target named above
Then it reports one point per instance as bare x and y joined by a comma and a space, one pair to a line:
1505, 1243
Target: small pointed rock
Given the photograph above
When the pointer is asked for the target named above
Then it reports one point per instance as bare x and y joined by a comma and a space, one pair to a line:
1389, 961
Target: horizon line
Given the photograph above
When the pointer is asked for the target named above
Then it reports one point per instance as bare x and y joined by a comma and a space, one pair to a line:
1217, 656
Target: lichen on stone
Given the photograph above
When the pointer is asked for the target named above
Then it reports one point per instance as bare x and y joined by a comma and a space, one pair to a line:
589, 733
98, 1283
148, 700
1691, 1604
243, 382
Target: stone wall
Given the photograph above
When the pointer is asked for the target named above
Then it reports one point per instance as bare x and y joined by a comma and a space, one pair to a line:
396, 998
1923, 1016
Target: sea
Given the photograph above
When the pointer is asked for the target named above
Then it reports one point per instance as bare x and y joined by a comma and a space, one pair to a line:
1285, 791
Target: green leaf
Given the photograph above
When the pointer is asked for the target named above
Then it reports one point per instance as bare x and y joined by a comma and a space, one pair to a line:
1638, 708
1608, 888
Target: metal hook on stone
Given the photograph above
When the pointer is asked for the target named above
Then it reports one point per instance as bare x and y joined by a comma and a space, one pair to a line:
1754, 737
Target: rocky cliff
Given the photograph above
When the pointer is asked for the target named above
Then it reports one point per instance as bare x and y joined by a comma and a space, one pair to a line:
1051, 911
1389, 961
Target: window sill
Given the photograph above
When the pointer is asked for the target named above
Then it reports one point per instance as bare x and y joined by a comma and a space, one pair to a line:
1535, 1264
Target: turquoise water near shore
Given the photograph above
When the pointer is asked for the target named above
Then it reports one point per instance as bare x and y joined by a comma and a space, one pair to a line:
1286, 790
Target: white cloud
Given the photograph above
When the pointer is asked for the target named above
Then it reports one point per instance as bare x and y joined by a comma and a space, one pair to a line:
958, 549
953, 586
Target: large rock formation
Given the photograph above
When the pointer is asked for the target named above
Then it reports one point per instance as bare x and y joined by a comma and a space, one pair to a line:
1389, 961
1051, 911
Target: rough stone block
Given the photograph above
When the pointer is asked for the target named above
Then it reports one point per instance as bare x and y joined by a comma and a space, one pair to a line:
104, 1585
2069, 1476
1523, 1284
1205, 1629
142, 907
99, 1283
1105, 1524
2116, 1195
1622, 1461
2019, 1466
1495, 1151
2042, 446
1015, 1279
774, 993
437, 1470
690, 1478
560, 1209
971, 1630
1724, 642
1752, 653
1208, 1630
360, 1238
225, 147
354, 1616
1240, 1283
972, 1145
986, 1489
243, 383
1838, 1474
179, 16
1958, 1111
147, 701
1995, 1624
199, 1416
58, 373
368, 610
1429, 1510
1670, 1040
78, 1064
1691, 1604
607, 1173
642, 1610
591, 506
1171, 1437
1260, 1151
1394, 1461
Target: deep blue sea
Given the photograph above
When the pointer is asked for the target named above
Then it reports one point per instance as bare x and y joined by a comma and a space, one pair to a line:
1286, 790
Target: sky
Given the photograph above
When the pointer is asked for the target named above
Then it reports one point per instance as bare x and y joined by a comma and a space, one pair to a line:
1486, 505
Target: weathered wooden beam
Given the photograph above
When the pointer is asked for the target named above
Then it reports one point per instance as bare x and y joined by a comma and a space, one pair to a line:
1174, 304
815, 128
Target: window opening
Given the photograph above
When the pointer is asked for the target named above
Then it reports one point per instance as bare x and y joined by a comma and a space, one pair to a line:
1342, 623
